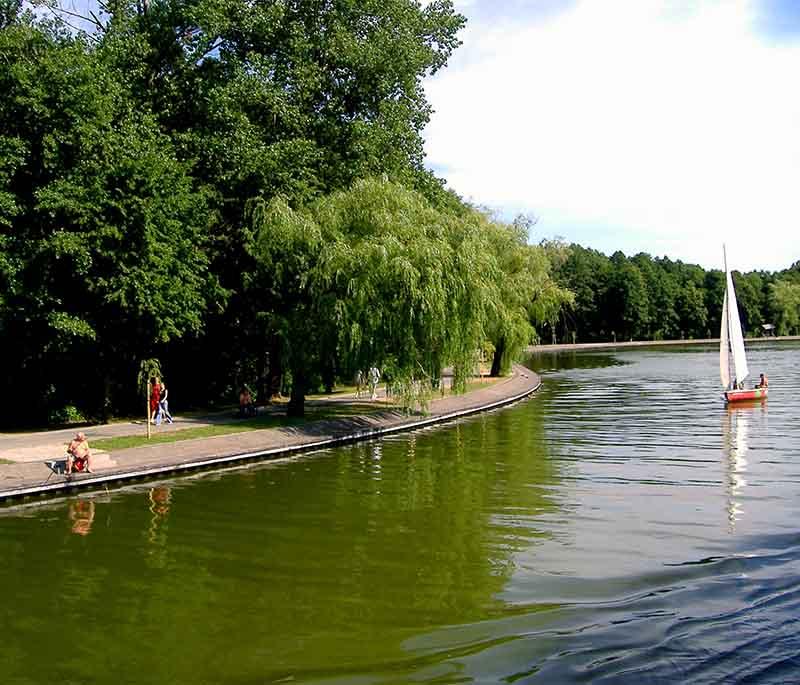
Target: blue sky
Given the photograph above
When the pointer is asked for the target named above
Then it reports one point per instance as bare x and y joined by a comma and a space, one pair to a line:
660, 126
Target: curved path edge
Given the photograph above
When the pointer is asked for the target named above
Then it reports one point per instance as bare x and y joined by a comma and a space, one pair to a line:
21, 481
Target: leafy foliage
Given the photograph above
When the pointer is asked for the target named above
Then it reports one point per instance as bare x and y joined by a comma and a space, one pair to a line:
131, 153
375, 274
784, 304
653, 299
240, 187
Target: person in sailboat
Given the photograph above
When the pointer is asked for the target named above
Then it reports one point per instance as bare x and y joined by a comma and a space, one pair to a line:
762, 381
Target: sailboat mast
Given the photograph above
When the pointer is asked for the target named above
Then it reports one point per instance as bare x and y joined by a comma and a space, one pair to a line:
728, 317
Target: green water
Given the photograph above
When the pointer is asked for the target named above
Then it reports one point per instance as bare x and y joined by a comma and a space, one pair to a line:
621, 526
320, 565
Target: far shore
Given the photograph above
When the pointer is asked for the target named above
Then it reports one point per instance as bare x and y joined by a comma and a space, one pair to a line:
537, 349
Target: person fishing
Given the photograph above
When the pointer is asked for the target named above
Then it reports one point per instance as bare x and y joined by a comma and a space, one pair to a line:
78, 456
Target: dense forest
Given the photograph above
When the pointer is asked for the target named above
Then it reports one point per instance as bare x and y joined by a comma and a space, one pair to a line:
642, 298
238, 190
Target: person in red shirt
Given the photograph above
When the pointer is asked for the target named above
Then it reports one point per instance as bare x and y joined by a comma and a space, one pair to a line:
155, 398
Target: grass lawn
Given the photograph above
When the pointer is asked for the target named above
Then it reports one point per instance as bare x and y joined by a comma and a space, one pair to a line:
6, 461
483, 382
237, 425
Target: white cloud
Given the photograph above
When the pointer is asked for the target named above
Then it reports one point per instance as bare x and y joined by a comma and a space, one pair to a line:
676, 129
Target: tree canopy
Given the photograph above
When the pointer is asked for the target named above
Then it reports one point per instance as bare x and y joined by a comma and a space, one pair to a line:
240, 188
643, 298
200, 180
383, 277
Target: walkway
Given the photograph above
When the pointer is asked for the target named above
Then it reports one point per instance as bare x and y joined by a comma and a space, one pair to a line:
30, 476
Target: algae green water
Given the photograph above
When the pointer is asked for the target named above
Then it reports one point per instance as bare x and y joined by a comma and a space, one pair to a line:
622, 525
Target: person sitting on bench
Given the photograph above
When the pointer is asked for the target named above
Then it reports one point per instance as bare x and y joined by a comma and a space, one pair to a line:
78, 456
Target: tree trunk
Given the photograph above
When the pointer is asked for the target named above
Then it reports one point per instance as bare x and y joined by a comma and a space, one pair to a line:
297, 402
329, 373
262, 381
275, 372
497, 360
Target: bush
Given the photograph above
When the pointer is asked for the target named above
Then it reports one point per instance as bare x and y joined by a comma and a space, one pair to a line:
66, 415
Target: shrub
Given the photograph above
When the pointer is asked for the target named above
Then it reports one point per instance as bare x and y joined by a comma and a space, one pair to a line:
66, 415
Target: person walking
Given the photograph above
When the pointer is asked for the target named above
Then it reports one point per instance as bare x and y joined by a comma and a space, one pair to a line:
374, 377
155, 398
163, 406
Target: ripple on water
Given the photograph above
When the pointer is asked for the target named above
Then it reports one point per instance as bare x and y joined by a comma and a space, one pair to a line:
622, 526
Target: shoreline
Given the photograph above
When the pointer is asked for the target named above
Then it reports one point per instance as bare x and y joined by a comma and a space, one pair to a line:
26, 480
566, 347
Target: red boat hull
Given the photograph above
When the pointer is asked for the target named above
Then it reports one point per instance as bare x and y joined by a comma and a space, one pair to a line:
748, 394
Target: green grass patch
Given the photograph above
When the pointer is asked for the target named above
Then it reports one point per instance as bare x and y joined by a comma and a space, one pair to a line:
6, 461
337, 391
484, 382
236, 425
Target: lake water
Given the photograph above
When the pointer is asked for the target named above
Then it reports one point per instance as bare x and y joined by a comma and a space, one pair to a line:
621, 526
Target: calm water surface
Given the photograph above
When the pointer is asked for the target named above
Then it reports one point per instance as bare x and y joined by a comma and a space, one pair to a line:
622, 526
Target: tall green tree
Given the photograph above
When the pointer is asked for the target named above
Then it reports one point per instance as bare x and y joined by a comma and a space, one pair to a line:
376, 273
290, 99
106, 227
586, 273
9, 12
750, 296
784, 305
628, 299
524, 295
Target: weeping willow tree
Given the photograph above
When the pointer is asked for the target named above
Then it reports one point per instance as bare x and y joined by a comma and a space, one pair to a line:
379, 275
524, 293
412, 282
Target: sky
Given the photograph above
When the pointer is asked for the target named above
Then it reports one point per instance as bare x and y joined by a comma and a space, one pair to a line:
658, 126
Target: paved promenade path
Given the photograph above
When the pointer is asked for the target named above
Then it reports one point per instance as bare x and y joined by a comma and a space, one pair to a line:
28, 475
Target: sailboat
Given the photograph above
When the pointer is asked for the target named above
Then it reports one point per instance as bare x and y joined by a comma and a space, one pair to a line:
732, 359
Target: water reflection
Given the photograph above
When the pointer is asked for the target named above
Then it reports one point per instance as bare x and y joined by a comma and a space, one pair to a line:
735, 428
81, 516
576, 537
734, 444
546, 361
160, 498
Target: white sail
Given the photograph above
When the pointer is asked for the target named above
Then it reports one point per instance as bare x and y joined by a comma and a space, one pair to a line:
724, 357
735, 337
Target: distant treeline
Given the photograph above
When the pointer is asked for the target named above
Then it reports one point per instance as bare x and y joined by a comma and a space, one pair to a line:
642, 298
